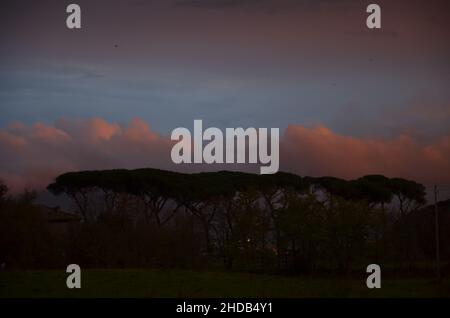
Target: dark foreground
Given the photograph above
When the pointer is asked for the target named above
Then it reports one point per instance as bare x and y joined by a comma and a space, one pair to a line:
180, 283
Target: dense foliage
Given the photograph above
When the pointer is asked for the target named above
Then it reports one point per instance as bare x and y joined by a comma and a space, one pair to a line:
234, 220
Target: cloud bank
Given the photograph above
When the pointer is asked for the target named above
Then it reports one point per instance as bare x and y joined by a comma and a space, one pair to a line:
320, 151
33, 155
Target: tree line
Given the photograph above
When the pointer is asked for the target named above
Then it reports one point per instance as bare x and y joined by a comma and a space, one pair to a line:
236, 220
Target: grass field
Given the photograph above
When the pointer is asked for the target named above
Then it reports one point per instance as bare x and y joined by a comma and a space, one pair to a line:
180, 283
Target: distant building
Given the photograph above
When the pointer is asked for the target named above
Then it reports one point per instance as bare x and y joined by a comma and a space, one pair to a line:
57, 219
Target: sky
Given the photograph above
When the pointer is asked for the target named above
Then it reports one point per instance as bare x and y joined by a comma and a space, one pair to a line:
348, 100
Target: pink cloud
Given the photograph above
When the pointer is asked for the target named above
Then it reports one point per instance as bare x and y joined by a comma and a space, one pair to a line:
34, 155
320, 151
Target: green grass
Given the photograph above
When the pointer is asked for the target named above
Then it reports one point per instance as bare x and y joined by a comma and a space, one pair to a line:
181, 283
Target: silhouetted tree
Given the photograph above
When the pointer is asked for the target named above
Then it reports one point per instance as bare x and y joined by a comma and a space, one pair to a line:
410, 194
246, 220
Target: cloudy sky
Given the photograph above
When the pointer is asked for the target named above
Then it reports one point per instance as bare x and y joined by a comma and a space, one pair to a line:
348, 101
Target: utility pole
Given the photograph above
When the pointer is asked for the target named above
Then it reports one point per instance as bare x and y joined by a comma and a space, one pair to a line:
436, 234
